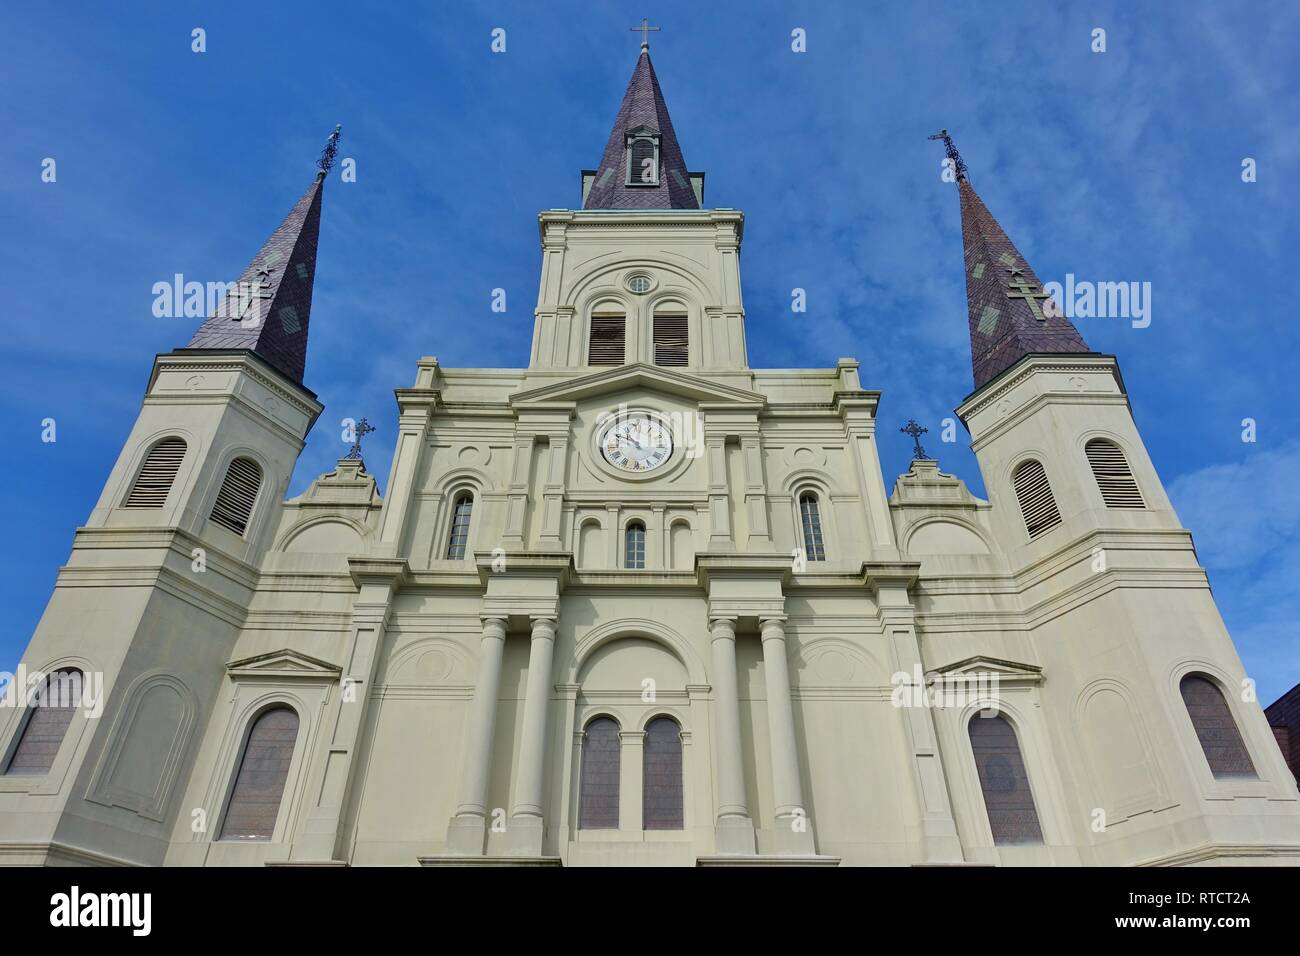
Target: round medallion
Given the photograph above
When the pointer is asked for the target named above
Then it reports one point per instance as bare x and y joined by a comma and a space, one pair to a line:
636, 444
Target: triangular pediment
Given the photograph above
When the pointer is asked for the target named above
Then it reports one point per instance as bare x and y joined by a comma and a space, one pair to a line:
281, 665
980, 664
622, 377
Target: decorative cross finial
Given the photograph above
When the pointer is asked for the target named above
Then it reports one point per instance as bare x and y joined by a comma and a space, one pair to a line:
326, 161
958, 166
362, 429
916, 431
645, 29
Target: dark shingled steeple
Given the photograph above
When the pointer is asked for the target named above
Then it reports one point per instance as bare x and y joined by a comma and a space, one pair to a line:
270, 308
1008, 310
643, 108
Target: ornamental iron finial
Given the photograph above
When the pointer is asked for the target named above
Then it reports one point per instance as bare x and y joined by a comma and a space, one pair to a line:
916, 431
645, 29
958, 167
360, 431
326, 161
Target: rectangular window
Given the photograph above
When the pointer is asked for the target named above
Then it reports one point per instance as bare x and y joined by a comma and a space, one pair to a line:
606, 345
671, 343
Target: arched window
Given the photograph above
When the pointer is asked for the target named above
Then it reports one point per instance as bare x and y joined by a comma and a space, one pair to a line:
598, 793
606, 346
1115, 481
634, 550
661, 807
45, 724
643, 162
157, 474
1225, 751
1035, 496
810, 518
671, 340
259, 782
458, 539
1007, 798
238, 494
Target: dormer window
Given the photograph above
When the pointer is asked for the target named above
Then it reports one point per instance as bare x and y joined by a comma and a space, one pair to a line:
643, 157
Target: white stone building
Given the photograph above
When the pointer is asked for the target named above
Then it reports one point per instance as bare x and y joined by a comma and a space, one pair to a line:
638, 603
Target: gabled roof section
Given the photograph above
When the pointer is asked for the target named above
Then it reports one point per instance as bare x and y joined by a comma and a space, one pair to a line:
643, 109
639, 374
268, 310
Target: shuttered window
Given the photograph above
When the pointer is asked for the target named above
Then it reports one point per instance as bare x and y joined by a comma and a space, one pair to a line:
661, 806
259, 782
1008, 799
1114, 479
671, 346
238, 494
606, 345
643, 168
46, 723
1220, 739
459, 538
1035, 495
634, 553
157, 474
810, 516
598, 793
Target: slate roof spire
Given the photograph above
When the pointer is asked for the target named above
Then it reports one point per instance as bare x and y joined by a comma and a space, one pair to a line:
643, 110
1006, 305
268, 309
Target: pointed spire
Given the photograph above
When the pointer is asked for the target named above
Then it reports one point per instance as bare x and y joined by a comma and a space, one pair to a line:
643, 110
268, 309
1007, 307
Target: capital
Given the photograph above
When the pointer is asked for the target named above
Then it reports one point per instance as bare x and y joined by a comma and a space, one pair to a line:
494, 627
543, 628
772, 628
722, 628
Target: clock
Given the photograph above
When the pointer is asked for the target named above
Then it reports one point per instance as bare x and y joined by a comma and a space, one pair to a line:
636, 444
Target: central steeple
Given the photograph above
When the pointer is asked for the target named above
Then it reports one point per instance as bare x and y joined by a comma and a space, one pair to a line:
642, 167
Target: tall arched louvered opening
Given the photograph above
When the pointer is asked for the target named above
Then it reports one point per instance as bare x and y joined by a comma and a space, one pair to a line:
1008, 799
238, 494
671, 340
259, 782
661, 807
634, 546
46, 724
1216, 730
1115, 480
598, 787
157, 474
458, 538
1037, 504
606, 346
810, 518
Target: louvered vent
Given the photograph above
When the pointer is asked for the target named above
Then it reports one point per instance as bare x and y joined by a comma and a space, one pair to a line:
671, 346
237, 495
1036, 501
157, 474
643, 169
606, 346
1117, 485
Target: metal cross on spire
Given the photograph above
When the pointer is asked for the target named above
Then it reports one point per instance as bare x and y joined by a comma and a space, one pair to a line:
362, 429
326, 161
645, 29
916, 431
958, 167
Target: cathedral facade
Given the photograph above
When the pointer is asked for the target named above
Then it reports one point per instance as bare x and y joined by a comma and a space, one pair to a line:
637, 603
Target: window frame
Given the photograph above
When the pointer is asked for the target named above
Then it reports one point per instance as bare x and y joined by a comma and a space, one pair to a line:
634, 523
289, 787
451, 523
630, 140
618, 767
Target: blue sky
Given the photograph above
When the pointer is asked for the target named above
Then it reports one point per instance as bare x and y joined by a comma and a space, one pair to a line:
1123, 165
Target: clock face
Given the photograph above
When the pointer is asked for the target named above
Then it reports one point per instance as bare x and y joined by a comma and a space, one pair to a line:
636, 444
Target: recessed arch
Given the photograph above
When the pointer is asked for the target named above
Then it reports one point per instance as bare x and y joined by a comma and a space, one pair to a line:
644, 628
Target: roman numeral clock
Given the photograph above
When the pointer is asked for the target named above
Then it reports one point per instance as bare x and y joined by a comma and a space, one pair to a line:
636, 444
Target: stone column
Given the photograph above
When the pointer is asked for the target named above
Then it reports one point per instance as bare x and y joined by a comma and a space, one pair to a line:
734, 830
631, 779
468, 827
527, 820
793, 833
